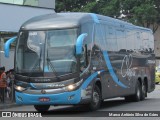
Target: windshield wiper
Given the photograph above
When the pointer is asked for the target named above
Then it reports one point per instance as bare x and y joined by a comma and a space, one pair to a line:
36, 64
52, 67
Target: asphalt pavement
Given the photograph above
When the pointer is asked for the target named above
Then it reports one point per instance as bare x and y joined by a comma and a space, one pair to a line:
11, 104
149, 105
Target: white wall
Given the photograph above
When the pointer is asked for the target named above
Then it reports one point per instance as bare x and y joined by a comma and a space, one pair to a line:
47, 3
13, 16
7, 62
157, 42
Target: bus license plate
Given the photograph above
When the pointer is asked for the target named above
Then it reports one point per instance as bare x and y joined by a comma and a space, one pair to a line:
44, 99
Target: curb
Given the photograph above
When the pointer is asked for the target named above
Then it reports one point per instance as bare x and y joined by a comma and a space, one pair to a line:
6, 106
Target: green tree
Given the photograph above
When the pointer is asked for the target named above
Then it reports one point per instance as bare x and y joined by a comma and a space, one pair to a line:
110, 7
144, 13
89, 7
106, 7
70, 5
141, 12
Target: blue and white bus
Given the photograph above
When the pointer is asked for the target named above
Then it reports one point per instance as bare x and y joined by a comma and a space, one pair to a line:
82, 58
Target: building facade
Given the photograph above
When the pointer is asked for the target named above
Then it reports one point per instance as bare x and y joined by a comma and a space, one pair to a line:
33, 3
13, 14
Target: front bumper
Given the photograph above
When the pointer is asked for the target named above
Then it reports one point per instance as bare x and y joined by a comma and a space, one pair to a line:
73, 97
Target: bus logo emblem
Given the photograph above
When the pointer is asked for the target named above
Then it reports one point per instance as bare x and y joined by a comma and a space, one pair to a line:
43, 91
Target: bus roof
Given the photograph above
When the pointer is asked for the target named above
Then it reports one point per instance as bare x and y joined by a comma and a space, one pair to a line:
56, 21
70, 20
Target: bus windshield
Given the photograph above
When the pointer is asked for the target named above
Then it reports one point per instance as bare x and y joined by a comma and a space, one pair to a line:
46, 51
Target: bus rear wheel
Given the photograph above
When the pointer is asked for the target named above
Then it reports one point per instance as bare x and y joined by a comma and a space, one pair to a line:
144, 91
42, 108
138, 94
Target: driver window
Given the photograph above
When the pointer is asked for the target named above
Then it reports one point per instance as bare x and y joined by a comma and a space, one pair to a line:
83, 58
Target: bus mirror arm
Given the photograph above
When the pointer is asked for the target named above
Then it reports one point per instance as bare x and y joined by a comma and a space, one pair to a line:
79, 43
86, 55
7, 45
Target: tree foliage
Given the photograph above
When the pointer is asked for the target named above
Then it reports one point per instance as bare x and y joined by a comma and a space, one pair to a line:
70, 5
144, 13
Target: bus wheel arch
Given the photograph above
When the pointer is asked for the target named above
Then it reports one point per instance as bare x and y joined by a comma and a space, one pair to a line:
98, 83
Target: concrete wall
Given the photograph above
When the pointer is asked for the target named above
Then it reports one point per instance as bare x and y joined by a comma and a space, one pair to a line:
157, 42
13, 16
157, 45
38, 3
7, 62
47, 3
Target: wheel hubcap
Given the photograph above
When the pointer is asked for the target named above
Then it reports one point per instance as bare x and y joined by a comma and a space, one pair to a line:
95, 98
143, 89
138, 93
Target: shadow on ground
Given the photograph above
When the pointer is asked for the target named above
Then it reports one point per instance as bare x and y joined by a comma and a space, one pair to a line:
83, 111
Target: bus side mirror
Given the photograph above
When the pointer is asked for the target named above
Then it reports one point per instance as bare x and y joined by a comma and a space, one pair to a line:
7, 45
79, 43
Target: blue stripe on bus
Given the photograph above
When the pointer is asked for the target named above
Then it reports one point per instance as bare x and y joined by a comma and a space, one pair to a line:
95, 18
90, 78
107, 60
111, 71
86, 82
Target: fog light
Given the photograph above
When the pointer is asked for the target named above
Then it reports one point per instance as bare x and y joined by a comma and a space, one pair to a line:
71, 97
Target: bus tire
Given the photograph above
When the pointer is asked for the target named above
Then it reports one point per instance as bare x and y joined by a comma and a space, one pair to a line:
138, 92
42, 108
96, 99
144, 91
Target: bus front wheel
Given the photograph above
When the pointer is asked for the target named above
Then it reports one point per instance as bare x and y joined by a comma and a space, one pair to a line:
96, 99
42, 108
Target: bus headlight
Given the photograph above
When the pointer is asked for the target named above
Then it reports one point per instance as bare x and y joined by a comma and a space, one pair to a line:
73, 86
19, 88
